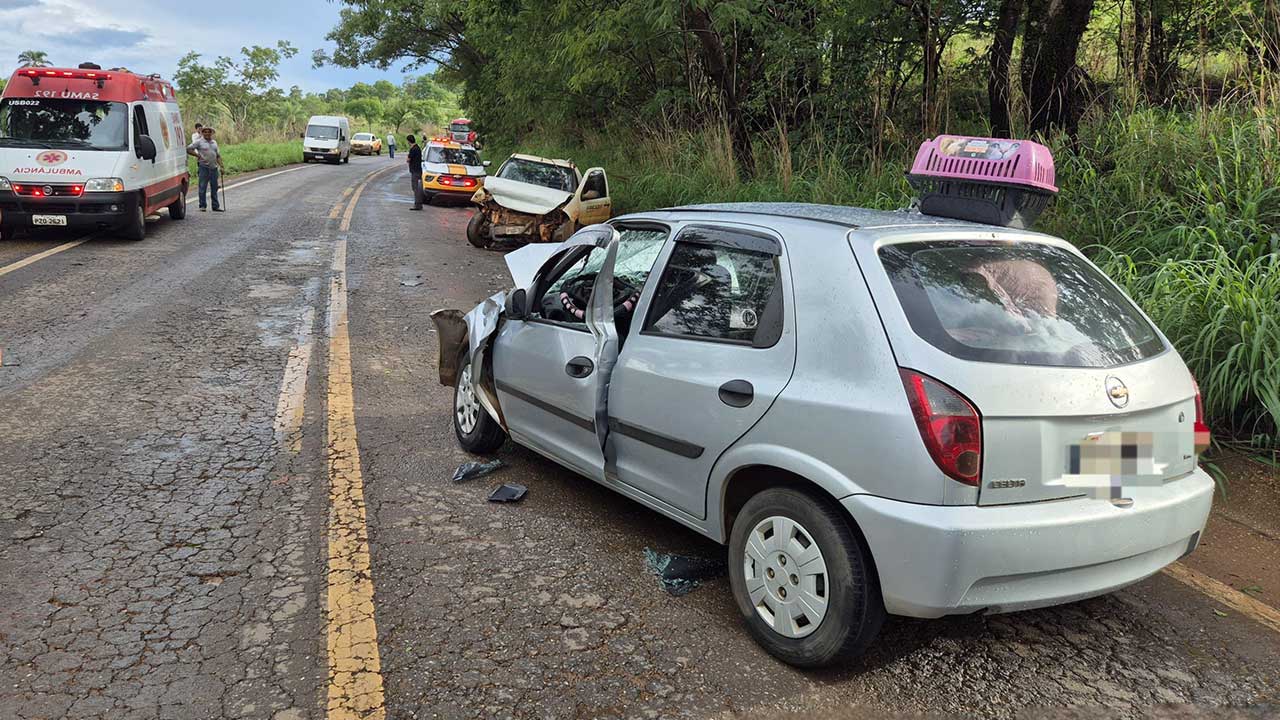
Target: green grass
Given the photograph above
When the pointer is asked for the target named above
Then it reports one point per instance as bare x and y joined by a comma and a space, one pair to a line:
255, 156
1181, 208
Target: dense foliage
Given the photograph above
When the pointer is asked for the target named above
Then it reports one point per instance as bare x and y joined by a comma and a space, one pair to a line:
1163, 115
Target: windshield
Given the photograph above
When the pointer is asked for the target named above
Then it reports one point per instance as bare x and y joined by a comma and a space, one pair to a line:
460, 127
324, 132
61, 123
455, 156
536, 173
1026, 304
362, 136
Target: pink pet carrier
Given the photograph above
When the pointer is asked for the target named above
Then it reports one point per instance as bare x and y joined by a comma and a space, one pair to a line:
987, 180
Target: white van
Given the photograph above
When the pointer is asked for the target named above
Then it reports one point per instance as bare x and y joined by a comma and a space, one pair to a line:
90, 148
328, 137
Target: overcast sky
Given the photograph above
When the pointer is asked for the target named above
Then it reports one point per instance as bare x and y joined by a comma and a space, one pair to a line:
150, 35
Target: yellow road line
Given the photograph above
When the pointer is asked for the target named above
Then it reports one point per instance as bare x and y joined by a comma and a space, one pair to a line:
42, 255
355, 198
337, 207
291, 406
355, 667
1259, 612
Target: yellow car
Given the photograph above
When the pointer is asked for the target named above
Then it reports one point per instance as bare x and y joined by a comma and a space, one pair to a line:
451, 170
366, 144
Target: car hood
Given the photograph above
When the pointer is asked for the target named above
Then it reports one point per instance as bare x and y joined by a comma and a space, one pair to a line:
524, 197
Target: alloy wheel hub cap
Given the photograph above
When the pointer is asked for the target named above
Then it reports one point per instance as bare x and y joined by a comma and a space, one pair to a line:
786, 576
465, 405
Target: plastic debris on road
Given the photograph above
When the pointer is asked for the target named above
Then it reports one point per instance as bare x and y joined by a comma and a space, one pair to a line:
472, 470
508, 492
680, 574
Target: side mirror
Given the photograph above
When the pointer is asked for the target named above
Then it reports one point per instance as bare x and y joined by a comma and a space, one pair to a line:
487, 163
516, 301
591, 195
146, 148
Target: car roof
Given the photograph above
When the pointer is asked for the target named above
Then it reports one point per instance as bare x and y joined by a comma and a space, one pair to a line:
545, 161
446, 144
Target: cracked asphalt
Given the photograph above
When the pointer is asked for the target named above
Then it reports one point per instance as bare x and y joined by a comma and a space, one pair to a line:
165, 506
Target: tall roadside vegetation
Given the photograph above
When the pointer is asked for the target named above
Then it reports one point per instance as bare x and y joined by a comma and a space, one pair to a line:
1164, 116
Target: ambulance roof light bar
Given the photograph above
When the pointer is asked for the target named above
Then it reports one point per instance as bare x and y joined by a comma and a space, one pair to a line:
36, 75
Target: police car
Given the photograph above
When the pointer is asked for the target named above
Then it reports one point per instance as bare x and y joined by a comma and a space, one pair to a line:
88, 148
451, 169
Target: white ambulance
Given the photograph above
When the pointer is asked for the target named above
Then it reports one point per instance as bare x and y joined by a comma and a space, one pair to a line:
91, 149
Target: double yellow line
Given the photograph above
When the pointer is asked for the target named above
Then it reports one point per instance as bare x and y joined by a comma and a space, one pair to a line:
355, 666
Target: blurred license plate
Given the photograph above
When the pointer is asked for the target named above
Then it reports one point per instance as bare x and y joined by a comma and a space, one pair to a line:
48, 219
1112, 453
509, 229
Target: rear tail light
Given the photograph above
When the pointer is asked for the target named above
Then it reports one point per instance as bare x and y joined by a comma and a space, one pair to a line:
949, 426
1203, 435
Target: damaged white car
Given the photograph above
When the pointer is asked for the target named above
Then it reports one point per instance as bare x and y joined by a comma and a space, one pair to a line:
878, 412
536, 199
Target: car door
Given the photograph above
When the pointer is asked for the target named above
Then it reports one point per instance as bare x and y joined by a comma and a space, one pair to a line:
715, 349
594, 205
544, 366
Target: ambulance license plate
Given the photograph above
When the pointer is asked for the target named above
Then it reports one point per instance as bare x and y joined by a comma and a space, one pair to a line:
48, 219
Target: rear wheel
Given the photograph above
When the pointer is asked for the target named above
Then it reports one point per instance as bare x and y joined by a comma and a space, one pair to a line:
478, 230
802, 579
178, 209
136, 227
477, 432
346, 158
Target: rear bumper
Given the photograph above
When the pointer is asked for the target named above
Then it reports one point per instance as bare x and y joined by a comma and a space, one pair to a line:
89, 210
943, 560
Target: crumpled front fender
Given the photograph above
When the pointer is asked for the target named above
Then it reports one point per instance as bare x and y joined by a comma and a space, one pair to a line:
472, 332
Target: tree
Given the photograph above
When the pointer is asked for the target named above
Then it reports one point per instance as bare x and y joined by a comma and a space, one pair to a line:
369, 108
1050, 76
1006, 31
33, 58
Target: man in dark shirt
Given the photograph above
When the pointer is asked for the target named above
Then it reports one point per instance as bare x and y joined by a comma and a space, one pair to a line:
415, 171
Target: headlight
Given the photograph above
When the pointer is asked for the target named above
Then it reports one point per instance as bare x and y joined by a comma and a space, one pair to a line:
104, 185
4, 184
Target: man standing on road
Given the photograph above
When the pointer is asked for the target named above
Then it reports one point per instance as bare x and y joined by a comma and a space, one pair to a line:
391, 145
208, 163
415, 172
196, 135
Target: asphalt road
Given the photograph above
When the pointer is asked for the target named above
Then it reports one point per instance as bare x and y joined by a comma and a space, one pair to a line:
180, 439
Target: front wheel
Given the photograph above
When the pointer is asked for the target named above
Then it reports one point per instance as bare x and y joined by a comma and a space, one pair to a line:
346, 158
803, 580
178, 209
136, 227
478, 230
477, 432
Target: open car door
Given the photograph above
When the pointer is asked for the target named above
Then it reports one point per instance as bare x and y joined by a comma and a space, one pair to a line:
594, 205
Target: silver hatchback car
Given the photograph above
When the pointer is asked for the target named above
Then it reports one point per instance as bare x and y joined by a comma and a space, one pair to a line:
878, 412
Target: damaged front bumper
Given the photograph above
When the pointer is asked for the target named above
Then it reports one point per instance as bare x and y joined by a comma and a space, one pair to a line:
507, 224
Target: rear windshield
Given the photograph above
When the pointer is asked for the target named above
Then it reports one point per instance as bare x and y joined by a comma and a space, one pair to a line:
1026, 304
455, 156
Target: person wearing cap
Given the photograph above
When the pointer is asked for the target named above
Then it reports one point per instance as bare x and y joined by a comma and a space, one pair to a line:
208, 163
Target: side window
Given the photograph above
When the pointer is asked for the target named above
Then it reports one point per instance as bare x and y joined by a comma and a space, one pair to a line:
139, 123
570, 283
595, 183
715, 292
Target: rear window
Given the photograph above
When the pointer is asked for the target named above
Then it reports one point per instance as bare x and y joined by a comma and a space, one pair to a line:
1025, 304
